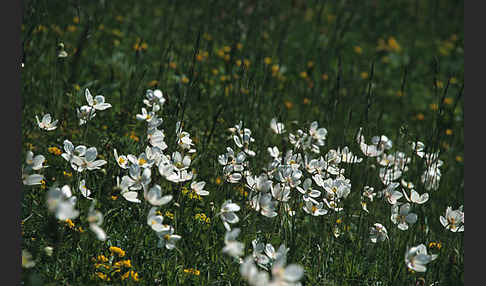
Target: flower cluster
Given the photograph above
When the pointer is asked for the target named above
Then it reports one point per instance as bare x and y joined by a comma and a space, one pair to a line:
113, 268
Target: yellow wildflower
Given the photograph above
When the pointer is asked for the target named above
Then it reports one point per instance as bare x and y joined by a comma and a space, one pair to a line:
192, 271
448, 100
54, 150
288, 104
71, 28
393, 45
116, 250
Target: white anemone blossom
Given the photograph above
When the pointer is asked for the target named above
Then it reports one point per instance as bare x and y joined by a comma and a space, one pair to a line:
402, 216
121, 160
390, 194
85, 113
453, 220
95, 219
232, 247
85, 192
415, 197
378, 144
33, 163
98, 102
227, 214
154, 98
416, 258
378, 233
155, 197
62, 203
155, 219
167, 238
137, 179
277, 127
88, 161
46, 123
282, 274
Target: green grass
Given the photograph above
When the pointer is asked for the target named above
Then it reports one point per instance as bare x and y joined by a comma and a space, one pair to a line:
395, 68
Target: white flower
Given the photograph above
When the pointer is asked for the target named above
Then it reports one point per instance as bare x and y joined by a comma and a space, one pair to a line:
307, 191
318, 134
31, 179
85, 113
84, 190
48, 250
378, 233
242, 138
277, 127
156, 138
233, 165
154, 99
415, 197
281, 192
142, 161
260, 258
416, 258
259, 184
378, 144
252, 275
287, 175
227, 214
402, 216
184, 139
95, 219
263, 203
347, 156
418, 147
34, 162
315, 209
167, 238
131, 196
70, 151
285, 275
337, 189
145, 116
137, 178
232, 247
453, 220
27, 261
432, 175
176, 169
333, 205
198, 188
389, 175
61, 202
154, 220
121, 160
88, 161
154, 196
274, 153
390, 194
46, 123
98, 102
369, 192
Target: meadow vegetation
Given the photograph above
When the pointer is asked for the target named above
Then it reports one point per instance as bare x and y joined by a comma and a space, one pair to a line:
242, 142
